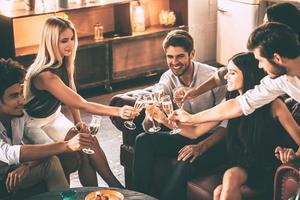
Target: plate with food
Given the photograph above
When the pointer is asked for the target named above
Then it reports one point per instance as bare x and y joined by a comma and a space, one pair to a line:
105, 194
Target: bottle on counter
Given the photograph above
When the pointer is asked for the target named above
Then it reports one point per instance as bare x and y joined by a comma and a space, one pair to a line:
98, 32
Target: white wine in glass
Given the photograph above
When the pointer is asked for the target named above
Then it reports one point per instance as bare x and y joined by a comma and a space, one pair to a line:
167, 106
149, 100
94, 127
139, 104
158, 92
177, 96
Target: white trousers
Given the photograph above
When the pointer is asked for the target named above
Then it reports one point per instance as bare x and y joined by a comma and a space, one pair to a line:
49, 129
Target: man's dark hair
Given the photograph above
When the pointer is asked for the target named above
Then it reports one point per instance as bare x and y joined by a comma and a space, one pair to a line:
285, 13
179, 38
273, 38
11, 72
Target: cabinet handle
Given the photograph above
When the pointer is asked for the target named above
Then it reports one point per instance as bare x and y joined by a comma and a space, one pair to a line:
151, 74
222, 10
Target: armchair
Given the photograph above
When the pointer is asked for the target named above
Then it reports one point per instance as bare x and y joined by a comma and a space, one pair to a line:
127, 148
285, 183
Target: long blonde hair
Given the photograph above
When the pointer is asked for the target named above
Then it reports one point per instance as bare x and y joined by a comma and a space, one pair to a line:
48, 55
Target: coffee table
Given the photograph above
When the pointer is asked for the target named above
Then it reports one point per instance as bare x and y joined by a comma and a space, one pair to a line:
83, 191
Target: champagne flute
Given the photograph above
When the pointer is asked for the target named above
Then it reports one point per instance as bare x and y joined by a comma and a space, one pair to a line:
158, 91
139, 104
149, 100
167, 106
177, 96
94, 127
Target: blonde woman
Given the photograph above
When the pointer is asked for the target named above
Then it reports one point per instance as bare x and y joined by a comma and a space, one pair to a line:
49, 83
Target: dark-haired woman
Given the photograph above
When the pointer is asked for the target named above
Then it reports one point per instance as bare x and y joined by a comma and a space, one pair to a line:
251, 140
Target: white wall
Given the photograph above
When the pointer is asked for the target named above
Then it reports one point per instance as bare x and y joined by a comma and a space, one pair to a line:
202, 21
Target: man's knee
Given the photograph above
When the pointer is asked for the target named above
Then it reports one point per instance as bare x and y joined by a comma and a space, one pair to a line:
185, 167
53, 165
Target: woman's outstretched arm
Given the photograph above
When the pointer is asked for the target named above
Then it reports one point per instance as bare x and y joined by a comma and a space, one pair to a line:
53, 84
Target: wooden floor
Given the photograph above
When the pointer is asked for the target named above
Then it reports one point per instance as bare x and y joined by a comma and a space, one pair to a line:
110, 138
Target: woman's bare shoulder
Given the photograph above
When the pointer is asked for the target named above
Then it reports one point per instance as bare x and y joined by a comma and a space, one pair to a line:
278, 107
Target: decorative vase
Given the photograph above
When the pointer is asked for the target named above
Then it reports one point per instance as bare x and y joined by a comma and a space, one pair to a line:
63, 3
138, 17
167, 18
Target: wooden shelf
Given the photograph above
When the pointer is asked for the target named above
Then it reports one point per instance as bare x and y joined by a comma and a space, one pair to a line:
24, 12
89, 40
24, 51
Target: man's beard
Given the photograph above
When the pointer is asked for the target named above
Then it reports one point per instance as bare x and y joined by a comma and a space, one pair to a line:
17, 115
277, 69
185, 68
20, 115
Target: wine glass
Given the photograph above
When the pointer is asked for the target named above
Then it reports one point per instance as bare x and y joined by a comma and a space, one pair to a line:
139, 104
178, 94
149, 100
158, 91
167, 106
94, 127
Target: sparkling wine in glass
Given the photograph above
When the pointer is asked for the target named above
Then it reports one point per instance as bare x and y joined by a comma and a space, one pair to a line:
178, 94
158, 92
139, 104
167, 106
94, 127
149, 100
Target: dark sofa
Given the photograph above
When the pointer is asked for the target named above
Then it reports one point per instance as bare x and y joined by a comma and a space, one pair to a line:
285, 182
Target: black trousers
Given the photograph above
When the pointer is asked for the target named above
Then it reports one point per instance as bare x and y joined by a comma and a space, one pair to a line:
150, 147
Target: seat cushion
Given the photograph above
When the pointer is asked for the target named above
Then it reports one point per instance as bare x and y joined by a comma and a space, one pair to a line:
203, 187
126, 156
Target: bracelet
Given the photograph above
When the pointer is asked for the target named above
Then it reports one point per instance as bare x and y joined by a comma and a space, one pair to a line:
80, 122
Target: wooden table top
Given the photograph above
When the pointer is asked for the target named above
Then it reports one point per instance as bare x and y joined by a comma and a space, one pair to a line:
83, 191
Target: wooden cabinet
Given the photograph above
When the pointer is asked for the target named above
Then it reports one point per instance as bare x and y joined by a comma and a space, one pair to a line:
121, 55
138, 56
92, 66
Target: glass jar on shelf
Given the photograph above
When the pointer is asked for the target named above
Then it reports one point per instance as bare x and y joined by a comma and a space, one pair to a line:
98, 32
